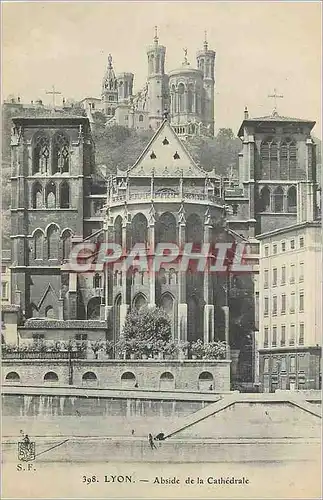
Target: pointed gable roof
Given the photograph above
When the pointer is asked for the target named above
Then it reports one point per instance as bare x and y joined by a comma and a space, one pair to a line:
165, 156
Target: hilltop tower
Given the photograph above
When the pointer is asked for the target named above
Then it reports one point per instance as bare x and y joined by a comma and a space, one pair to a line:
157, 82
109, 89
205, 63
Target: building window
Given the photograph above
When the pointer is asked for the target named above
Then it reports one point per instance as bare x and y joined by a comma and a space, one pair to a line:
292, 200
292, 335
97, 281
4, 290
274, 249
266, 337
153, 156
264, 200
41, 154
292, 364
283, 275
275, 305
274, 340
266, 306
301, 302
275, 276
126, 118
283, 308
301, 334
301, 271
278, 199
266, 365
176, 156
141, 118
283, 336
301, 242
292, 303
292, 273
60, 153
292, 244
266, 251
283, 246
266, 276
283, 364
165, 142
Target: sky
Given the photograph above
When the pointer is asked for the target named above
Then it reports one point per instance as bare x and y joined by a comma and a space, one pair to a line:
259, 46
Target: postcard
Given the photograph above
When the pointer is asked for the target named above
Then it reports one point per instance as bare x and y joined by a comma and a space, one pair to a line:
161, 282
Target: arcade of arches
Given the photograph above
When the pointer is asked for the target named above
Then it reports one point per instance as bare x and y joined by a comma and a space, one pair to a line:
187, 297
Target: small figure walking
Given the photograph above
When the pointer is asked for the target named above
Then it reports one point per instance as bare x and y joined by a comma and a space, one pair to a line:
133, 432
136, 384
151, 441
211, 388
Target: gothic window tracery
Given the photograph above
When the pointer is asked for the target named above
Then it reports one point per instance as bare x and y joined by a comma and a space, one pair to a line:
51, 195
37, 196
38, 244
67, 243
60, 153
53, 242
41, 154
279, 199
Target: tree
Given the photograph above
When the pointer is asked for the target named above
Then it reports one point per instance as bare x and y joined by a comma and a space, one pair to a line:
149, 325
219, 153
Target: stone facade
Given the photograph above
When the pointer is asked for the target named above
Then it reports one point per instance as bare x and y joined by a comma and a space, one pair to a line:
169, 375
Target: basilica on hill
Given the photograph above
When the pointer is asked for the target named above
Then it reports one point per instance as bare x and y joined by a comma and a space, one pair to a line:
164, 197
187, 93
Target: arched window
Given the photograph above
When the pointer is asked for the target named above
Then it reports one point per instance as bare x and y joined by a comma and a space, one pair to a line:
51, 195
141, 118
274, 171
97, 281
206, 381
67, 243
139, 301
292, 199
292, 161
166, 381
40, 154
194, 229
60, 153
181, 90
265, 159
279, 199
118, 230
264, 201
49, 312
194, 318
93, 308
190, 99
38, 244
128, 379
51, 377
89, 377
12, 377
166, 228
284, 160
64, 195
37, 195
53, 242
172, 277
139, 229
157, 69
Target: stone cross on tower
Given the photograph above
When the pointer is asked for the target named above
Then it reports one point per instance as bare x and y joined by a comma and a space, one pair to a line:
275, 96
53, 92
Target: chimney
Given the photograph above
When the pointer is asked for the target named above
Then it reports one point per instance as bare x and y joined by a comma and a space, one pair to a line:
246, 113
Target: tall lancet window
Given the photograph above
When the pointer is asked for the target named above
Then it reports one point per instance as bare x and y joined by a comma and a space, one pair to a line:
60, 153
181, 90
41, 154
